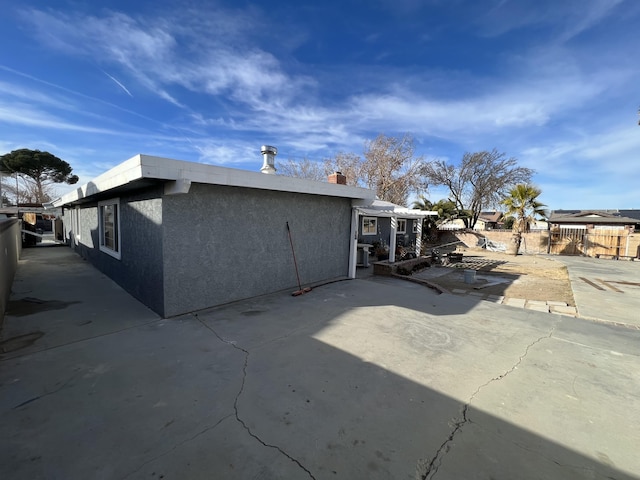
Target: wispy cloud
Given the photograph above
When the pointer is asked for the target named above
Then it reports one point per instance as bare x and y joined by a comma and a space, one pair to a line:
211, 84
18, 90
24, 114
564, 20
119, 84
148, 50
609, 152
238, 72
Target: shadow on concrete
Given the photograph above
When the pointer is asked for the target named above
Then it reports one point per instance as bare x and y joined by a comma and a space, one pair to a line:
353, 380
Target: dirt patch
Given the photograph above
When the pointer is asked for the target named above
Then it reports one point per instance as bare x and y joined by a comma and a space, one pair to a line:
531, 277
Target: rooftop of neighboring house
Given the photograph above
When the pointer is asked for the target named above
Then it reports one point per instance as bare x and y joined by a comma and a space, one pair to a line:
631, 214
594, 216
492, 216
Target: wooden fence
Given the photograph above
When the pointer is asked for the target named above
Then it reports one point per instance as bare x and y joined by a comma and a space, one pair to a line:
565, 241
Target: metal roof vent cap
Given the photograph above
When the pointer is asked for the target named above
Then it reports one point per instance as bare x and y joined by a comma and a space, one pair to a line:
269, 159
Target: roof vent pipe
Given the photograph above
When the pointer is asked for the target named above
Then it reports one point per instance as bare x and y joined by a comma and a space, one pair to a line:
268, 155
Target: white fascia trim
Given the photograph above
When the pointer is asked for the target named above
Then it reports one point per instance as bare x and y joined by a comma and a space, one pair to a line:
122, 174
168, 169
147, 166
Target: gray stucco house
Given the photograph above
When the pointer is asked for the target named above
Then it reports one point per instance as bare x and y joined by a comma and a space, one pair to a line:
182, 236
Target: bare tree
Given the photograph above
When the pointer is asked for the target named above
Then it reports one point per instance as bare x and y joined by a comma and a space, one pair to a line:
349, 164
481, 180
304, 168
19, 190
391, 169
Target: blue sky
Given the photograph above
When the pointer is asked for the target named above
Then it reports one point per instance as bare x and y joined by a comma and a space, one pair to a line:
552, 83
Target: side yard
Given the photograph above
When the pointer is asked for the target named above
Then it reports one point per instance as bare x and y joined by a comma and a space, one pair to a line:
530, 277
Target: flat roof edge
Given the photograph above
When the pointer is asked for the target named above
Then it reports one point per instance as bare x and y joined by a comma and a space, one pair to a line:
159, 168
126, 172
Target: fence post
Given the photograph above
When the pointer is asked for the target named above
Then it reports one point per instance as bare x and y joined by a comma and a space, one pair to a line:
586, 244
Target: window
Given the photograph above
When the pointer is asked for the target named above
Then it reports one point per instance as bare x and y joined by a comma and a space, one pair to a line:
415, 225
402, 226
369, 225
76, 224
608, 227
109, 222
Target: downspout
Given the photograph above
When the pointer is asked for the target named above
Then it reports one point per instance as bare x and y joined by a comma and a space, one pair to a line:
353, 243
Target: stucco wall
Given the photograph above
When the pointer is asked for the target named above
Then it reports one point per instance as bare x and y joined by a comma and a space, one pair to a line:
10, 249
224, 244
139, 270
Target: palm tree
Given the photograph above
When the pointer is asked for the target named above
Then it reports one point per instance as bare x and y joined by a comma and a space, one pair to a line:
447, 210
428, 224
523, 206
422, 203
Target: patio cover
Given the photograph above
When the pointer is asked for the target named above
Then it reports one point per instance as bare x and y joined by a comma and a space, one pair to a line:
381, 208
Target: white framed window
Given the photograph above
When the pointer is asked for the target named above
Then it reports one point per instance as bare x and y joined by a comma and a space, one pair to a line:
76, 223
109, 226
369, 226
415, 225
402, 226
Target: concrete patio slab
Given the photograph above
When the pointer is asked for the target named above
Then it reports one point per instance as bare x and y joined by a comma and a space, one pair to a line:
60, 299
607, 305
370, 379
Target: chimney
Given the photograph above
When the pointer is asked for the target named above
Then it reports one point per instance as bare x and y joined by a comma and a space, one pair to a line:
268, 155
338, 178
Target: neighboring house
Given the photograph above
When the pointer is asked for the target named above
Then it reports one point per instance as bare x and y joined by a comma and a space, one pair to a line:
598, 219
635, 214
539, 225
452, 224
390, 225
182, 236
591, 232
489, 221
486, 221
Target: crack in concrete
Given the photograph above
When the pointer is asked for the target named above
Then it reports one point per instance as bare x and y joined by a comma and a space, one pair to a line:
235, 402
434, 464
38, 397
